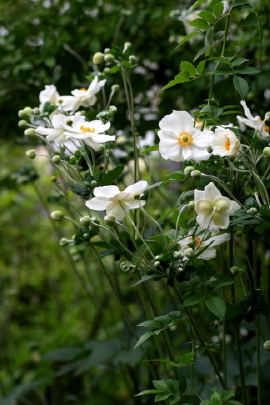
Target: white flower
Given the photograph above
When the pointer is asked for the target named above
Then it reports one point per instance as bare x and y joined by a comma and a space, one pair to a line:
82, 97
254, 122
92, 133
60, 125
213, 209
200, 240
180, 141
50, 94
225, 142
116, 202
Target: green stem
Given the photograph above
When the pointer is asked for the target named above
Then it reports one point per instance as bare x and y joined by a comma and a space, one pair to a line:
241, 366
258, 350
265, 280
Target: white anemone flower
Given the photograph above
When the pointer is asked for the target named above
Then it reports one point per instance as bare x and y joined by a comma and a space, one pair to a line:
180, 140
213, 209
61, 124
116, 202
225, 142
50, 94
92, 133
200, 240
82, 97
262, 130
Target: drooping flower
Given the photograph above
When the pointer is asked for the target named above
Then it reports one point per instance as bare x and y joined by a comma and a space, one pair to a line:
92, 133
262, 130
225, 142
50, 94
116, 202
60, 125
213, 209
200, 240
180, 140
82, 97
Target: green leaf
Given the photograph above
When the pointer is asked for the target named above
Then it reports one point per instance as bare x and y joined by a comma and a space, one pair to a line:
79, 190
160, 385
150, 149
227, 394
216, 305
239, 61
199, 23
161, 397
200, 67
208, 40
63, 354
173, 399
233, 403
144, 278
205, 402
206, 15
144, 337
152, 324
187, 38
186, 358
182, 383
251, 20
215, 399
114, 69
218, 9
148, 392
188, 67
192, 299
170, 211
201, 51
241, 86
247, 70
180, 78
154, 185
112, 175
172, 386
223, 72
236, 3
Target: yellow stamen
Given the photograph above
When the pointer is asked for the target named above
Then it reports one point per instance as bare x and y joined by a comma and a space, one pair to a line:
227, 144
85, 129
185, 138
265, 127
83, 89
197, 241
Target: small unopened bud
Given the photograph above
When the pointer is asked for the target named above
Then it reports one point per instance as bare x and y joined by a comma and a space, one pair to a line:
112, 110
156, 263
188, 252
252, 211
98, 58
191, 204
107, 50
234, 270
266, 345
266, 152
56, 159
30, 132
241, 168
85, 221
127, 45
101, 147
109, 58
53, 179
177, 254
213, 128
63, 242
209, 149
132, 59
196, 174
94, 183
22, 124
31, 153
36, 111
57, 215
110, 220
136, 196
158, 257
115, 87
21, 114
69, 122
267, 115
239, 233
28, 110
180, 270
188, 170
100, 167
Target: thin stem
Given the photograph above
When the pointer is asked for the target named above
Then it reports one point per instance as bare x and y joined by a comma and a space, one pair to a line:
241, 366
258, 358
265, 280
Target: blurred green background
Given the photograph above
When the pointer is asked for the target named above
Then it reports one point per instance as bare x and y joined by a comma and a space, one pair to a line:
46, 303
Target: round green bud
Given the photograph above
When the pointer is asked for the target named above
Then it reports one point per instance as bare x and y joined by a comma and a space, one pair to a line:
109, 220
239, 233
21, 114
86, 235
267, 115
30, 132
234, 270
132, 59
177, 254
28, 110
109, 58
107, 50
112, 110
56, 159
36, 111
192, 203
31, 153
93, 219
23, 124
252, 211
156, 263
69, 122
106, 69
94, 183
266, 152
76, 258
209, 149
136, 196
98, 58
57, 215
77, 153
196, 174
100, 167
180, 270
115, 87
228, 183
53, 179
213, 128
188, 252
188, 170
158, 257
127, 45
63, 242
266, 345
85, 221
241, 168
101, 147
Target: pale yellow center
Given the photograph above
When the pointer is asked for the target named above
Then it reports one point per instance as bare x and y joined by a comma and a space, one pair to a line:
85, 129
185, 138
265, 127
83, 89
227, 144
196, 241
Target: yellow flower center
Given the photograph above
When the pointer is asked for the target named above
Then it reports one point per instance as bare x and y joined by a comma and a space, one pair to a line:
185, 138
227, 144
85, 129
265, 127
83, 89
196, 241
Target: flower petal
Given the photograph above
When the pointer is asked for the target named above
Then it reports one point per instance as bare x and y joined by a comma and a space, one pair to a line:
218, 239
117, 208
170, 149
97, 204
137, 188
211, 192
106, 191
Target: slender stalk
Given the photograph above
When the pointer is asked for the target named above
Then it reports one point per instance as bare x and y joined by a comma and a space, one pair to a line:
265, 280
258, 353
241, 366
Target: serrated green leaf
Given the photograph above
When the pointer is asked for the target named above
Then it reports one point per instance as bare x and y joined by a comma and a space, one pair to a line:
230, 402
218, 9
200, 67
205, 402
227, 394
172, 386
173, 399
207, 16
216, 305
192, 299
144, 278
148, 392
201, 51
239, 61
188, 67
150, 149
112, 175
250, 20
247, 70
144, 337
152, 324
241, 86
180, 78
187, 38
199, 23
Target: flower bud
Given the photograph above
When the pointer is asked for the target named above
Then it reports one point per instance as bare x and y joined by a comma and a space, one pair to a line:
56, 159
188, 170
127, 266
21, 114
191, 204
109, 58
241, 168
30, 132
107, 50
136, 196
57, 215
188, 252
53, 179
85, 221
112, 110
213, 128
22, 124
28, 110
94, 183
266, 345
100, 167
177, 254
110, 220
98, 58
158, 257
266, 152
31, 153
267, 115
63, 242
209, 149
252, 211
115, 87
36, 111
196, 174
234, 270
180, 270
239, 233
132, 59
156, 263
127, 45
